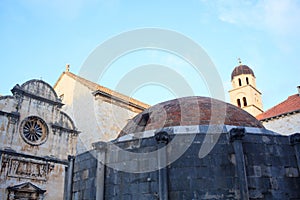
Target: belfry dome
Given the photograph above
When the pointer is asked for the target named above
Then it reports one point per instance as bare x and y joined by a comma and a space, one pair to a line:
241, 69
188, 111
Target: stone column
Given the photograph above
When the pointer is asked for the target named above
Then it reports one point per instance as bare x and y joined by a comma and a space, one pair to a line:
100, 148
295, 141
69, 178
236, 135
162, 138
0, 160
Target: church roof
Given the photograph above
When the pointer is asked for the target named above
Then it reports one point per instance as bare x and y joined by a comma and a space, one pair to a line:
189, 111
291, 104
96, 88
241, 69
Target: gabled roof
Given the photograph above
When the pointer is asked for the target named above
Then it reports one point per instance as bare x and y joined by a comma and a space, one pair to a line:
96, 88
291, 104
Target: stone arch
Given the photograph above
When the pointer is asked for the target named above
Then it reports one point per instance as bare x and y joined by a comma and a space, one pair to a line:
65, 121
40, 88
238, 101
245, 101
240, 82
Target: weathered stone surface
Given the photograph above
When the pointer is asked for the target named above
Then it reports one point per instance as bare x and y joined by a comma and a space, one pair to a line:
271, 171
36, 139
106, 115
285, 124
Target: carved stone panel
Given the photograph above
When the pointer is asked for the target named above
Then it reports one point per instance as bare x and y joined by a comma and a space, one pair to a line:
26, 168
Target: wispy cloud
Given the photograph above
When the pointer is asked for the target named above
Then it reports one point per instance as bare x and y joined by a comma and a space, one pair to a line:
280, 17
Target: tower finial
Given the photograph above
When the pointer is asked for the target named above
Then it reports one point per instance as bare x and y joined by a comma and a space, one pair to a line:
240, 61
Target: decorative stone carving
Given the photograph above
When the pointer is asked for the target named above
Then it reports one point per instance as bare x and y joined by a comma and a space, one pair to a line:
34, 130
23, 168
14, 117
162, 136
25, 191
236, 134
101, 146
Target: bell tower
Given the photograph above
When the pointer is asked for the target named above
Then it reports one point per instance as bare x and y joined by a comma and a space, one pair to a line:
244, 93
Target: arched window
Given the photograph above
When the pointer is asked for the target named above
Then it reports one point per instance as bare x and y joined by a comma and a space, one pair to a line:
143, 122
247, 80
240, 82
245, 101
238, 102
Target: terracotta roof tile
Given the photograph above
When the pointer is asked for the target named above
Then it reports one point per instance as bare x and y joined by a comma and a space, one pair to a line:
178, 112
96, 87
292, 103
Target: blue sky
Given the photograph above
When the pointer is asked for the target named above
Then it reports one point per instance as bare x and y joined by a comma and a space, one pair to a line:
39, 37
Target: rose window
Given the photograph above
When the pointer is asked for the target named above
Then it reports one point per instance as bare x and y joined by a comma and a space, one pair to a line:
34, 130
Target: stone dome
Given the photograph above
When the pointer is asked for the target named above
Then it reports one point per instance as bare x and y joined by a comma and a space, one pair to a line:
241, 69
189, 111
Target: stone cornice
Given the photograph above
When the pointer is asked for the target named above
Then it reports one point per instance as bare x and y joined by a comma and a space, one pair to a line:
48, 159
19, 90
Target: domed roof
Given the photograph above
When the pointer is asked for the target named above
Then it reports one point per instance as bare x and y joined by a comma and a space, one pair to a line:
241, 69
188, 111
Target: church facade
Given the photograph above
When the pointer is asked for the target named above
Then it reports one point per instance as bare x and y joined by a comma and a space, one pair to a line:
38, 143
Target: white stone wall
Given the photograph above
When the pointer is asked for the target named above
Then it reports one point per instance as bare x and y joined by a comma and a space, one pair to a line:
45, 175
41, 163
249, 91
97, 118
285, 125
58, 144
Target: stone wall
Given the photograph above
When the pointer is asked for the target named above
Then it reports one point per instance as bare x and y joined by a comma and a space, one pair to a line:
37, 139
84, 177
106, 117
240, 166
285, 125
44, 173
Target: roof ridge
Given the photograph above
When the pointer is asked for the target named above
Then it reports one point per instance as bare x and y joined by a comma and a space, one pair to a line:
95, 86
290, 104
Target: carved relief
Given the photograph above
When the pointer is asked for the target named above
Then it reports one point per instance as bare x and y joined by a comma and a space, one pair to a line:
25, 191
29, 169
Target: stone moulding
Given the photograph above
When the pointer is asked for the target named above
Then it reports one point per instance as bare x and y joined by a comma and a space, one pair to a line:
56, 127
110, 96
18, 90
12, 116
49, 159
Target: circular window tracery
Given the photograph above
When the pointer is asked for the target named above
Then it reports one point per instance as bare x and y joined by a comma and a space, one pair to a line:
34, 130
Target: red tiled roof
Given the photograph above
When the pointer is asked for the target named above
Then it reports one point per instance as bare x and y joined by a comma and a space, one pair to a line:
178, 112
291, 104
96, 87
